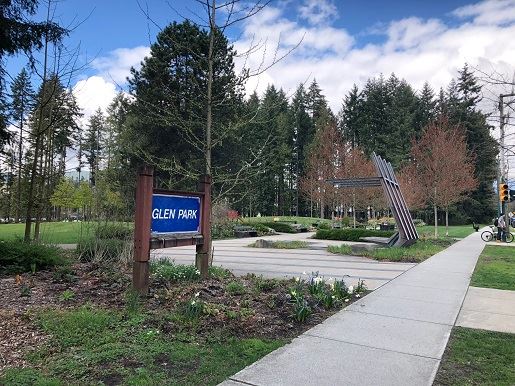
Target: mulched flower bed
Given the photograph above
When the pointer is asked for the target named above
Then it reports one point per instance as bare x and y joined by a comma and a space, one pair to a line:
238, 307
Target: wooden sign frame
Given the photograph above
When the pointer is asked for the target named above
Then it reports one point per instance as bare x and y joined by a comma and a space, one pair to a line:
143, 240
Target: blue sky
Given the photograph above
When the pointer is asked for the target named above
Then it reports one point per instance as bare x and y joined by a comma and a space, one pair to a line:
110, 24
343, 41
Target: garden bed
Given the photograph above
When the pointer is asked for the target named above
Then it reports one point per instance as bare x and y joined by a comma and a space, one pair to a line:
416, 253
82, 324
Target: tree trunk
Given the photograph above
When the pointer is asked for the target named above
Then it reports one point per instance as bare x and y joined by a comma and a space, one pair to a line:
33, 172
354, 210
209, 118
435, 209
447, 222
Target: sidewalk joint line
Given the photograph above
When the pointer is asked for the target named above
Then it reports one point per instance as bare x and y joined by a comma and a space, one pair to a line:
398, 317
373, 347
242, 382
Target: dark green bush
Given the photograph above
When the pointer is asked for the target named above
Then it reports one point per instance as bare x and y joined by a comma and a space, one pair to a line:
350, 234
222, 230
261, 229
280, 227
119, 231
17, 256
323, 225
101, 249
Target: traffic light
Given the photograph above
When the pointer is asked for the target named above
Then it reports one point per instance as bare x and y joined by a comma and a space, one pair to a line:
504, 193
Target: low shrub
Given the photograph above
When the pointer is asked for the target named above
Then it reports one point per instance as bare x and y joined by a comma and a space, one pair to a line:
418, 222
262, 229
350, 234
219, 272
17, 256
235, 288
222, 230
105, 250
262, 284
323, 225
119, 231
280, 227
169, 271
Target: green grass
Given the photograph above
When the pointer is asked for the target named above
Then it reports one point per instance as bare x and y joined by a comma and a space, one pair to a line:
299, 220
455, 231
495, 268
477, 357
415, 253
294, 244
94, 346
51, 232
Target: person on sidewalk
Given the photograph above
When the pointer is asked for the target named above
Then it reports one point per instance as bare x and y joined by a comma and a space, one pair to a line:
501, 228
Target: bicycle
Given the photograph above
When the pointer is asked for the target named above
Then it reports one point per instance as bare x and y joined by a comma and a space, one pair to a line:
492, 235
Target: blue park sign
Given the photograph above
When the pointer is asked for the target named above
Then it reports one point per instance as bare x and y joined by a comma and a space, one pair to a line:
175, 214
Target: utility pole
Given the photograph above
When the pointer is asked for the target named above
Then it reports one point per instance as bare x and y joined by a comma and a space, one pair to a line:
503, 162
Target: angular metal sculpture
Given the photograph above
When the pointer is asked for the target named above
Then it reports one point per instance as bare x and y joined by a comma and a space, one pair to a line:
407, 232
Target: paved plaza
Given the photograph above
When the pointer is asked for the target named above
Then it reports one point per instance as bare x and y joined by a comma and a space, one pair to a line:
235, 255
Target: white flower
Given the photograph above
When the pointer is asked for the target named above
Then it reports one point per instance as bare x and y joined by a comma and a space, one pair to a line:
351, 289
357, 295
294, 293
347, 300
304, 273
297, 279
334, 297
193, 302
197, 294
317, 280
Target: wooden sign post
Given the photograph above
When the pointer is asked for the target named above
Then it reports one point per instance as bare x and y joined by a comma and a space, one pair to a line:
142, 220
166, 218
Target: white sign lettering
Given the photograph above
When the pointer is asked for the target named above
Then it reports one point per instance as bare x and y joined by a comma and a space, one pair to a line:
169, 214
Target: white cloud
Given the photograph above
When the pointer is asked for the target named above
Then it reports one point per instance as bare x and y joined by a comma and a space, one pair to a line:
93, 93
117, 64
318, 11
488, 12
416, 49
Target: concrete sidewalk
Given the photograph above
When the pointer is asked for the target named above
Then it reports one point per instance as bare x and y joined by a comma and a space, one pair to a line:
488, 309
394, 336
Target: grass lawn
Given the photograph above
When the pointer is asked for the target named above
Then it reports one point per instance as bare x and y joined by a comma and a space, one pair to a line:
415, 253
53, 232
478, 357
457, 231
495, 268
299, 220
95, 346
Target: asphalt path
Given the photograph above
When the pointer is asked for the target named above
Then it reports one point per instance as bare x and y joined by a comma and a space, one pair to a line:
238, 257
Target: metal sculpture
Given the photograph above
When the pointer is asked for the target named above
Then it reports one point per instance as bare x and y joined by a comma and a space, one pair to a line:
407, 232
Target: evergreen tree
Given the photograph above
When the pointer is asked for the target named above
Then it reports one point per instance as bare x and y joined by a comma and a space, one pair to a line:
350, 117
20, 34
463, 109
168, 121
316, 102
426, 107
22, 103
303, 135
94, 143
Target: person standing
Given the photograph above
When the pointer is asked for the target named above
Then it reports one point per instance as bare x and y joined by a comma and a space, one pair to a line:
501, 228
